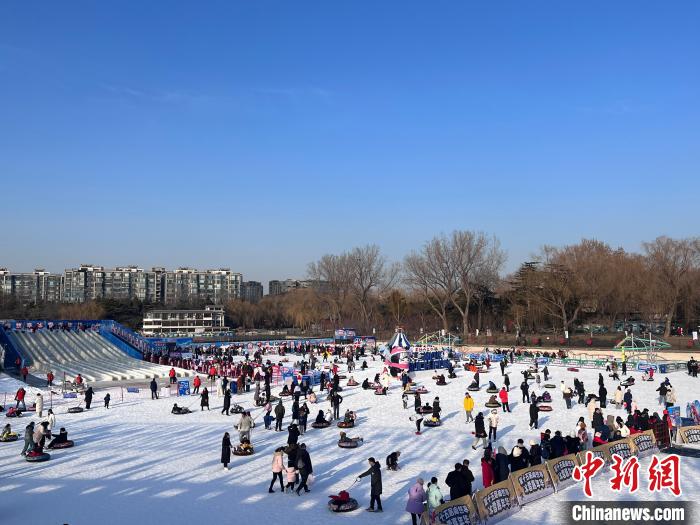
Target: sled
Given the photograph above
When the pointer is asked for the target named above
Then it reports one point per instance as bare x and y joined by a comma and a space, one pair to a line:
545, 408
75, 410
338, 505
346, 424
353, 443
11, 437
320, 425
550, 386
473, 388
37, 457
432, 423
492, 391
492, 405
243, 452
353, 383
572, 369
65, 444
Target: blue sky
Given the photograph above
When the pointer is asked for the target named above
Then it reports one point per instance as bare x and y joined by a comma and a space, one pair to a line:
260, 135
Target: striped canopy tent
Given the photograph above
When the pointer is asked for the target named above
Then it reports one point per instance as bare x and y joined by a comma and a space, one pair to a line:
399, 348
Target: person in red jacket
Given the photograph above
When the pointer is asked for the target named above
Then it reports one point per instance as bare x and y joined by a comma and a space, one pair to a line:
172, 376
487, 470
503, 395
78, 379
212, 372
49, 378
25, 373
19, 397
197, 383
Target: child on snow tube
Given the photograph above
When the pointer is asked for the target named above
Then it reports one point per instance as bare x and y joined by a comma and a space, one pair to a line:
432, 422
365, 384
244, 449
628, 382
348, 419
179, 410
352, 382
320, 421
13, 412
426, 409
440, 380
61, 441
348, 442
492, 389
473, 386
342, 502
492, 402
7, 434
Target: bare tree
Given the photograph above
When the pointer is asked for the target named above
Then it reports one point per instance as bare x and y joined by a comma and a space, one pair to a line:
672, 262
370, 275
476, 259
431, 274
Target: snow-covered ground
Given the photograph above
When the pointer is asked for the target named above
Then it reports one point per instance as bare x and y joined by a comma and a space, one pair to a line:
137, 463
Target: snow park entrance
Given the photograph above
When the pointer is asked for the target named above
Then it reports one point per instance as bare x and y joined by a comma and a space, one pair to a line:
318, 434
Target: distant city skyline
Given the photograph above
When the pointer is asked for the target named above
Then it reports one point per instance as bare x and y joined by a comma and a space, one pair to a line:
261, 136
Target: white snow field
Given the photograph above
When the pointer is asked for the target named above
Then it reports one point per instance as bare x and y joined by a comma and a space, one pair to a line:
137, 463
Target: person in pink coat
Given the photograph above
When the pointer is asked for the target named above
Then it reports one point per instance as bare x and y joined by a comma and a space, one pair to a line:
277, 468
416, 497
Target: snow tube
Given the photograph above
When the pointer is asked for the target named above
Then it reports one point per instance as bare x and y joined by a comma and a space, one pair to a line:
237, 409
246, 452
441, 384
344, 424
353, 443
37, 457
320, 425
425, 410
13, 413
343, 506
432, 423
353, 383
379, 393
473, 388
550, 385
65, 444
285, 394
492, 391
492, 405
182, 411
572, 369
11, 437
75, 410
545, 408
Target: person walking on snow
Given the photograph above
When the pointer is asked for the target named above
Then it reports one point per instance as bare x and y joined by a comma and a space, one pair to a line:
204, 401
503, 396
468, 406
375, 485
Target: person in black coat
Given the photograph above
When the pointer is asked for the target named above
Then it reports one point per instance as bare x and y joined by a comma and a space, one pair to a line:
294, 434
573, 443
456, 481
502, 465
525, 388
154, 389
227, 402
535, 453
305, 468
479, 430
558, 445
506, 382
226, 450
436, 408
88, 397
204, 402
603, 396
375, 491
468, 477
392, 460
295, 410
534, 415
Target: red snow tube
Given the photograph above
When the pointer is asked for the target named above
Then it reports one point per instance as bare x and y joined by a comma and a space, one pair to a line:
37, 457
65, 444
320, 425
421, 390
572, 369
425, 410
11, 437
75, 410
353, 443
353, 383
347, 505
379, 393
345, 424
545, 408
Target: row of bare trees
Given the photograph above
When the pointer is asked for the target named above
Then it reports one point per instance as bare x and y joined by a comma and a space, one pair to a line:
456, 281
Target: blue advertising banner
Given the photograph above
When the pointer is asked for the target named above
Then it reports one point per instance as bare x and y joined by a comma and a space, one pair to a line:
183, 387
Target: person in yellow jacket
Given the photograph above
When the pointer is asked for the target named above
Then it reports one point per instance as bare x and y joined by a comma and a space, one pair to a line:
469, 406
